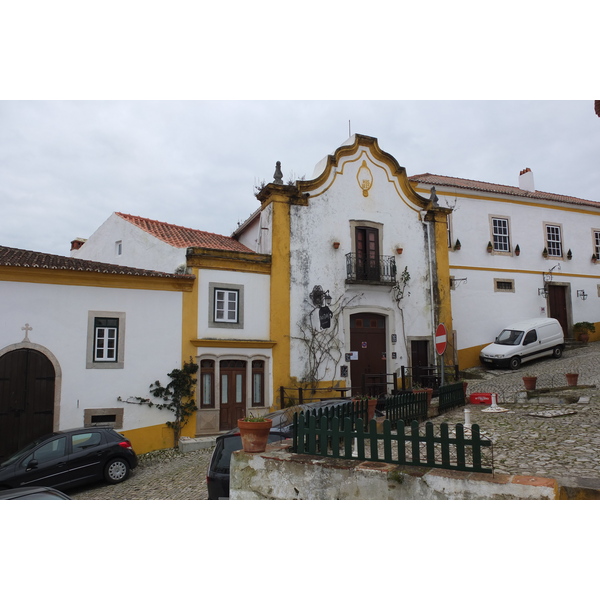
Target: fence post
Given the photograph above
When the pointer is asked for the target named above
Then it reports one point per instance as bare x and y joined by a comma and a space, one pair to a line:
281, 396
300, 396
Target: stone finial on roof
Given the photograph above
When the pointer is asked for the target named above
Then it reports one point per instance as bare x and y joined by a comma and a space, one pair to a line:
278, 175
433, 197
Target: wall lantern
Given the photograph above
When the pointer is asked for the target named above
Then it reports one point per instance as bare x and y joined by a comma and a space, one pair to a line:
319, 298
581, 294
543, 292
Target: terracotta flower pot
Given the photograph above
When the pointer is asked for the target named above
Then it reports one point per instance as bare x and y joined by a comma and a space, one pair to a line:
572, 378
254, 434
529, 382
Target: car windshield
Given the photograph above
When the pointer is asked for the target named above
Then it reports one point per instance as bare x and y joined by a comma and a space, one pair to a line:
19, 454
510, 337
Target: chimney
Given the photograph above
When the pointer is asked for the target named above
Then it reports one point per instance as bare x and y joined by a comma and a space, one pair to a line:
77, 243
526, 180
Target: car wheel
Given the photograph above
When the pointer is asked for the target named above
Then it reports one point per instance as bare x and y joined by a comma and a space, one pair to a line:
557, 352
116, 470
515, 363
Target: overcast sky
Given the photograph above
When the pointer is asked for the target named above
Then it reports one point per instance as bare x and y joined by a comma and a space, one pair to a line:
65, 166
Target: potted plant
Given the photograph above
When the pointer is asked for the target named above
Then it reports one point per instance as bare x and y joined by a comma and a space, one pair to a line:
545, 252
254, 432
490, 247
517, 250
457, 246
584, 328
371, 404
569, 254
572, 378
529, 381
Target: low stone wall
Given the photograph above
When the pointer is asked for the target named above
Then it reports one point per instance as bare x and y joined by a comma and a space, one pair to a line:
277, 474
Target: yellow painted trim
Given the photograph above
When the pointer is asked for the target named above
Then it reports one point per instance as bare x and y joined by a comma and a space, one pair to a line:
442, 263
521, 271
398, 173
189, 320
93, 279
202, 258
211, 343
148, 439
280, 294
515, 200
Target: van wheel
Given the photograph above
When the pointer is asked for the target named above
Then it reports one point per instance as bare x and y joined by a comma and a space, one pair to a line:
515, 363
557, 352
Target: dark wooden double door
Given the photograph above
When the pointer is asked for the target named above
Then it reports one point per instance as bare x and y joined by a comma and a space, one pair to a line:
27, 380
557, 305
233, 393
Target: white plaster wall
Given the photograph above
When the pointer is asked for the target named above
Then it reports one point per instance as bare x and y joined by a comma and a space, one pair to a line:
316, 262
58, 315
140, 249
256, 322
479, 312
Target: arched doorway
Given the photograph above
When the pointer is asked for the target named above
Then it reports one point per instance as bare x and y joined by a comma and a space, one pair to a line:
27, 383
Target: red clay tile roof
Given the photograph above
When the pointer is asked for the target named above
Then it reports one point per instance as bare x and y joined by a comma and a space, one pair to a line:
184, 237
14, 257
495, 188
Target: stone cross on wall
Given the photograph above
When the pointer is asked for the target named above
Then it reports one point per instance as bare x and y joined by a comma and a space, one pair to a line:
26, 329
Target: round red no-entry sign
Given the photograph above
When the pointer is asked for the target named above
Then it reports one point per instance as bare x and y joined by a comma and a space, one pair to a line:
440, 339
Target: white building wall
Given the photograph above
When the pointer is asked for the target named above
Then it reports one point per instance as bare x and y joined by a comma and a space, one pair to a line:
328, 219
479, 311
139, 249
256, 305
58, 315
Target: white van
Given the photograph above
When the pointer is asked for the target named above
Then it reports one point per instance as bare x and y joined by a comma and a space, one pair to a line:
524, 341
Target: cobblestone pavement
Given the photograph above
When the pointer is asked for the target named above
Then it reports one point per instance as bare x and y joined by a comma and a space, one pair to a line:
555, 434
161, 475
557, 440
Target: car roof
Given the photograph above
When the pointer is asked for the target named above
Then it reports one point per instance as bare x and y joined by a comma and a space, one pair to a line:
529, 323
15, 494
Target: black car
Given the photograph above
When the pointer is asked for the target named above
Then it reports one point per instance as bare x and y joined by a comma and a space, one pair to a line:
217, 476
70, 458
33, 493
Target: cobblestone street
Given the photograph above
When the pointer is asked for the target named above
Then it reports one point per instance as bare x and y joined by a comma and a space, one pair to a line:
161, 475
558, 437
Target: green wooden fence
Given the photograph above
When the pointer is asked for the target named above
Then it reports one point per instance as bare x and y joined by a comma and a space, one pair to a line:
451, 396
337, 438
406, 406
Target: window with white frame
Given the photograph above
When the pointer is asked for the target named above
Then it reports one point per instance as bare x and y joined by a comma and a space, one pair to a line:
106, 336
258, 383
105, 342
500, 234
597, 242
554, 240
226, 305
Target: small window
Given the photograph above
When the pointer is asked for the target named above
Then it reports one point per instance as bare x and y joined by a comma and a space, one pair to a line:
105, 342
597, 242
504, 285
500, 234
530, 337
119, 248
554, 240
226, 306
106, 337
103, 417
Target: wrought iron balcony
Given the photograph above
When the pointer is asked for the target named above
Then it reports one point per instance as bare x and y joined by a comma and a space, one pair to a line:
361, 269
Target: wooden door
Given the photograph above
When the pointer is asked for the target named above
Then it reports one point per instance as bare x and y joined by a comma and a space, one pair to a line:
557, 305
27, 381
367, 340
419, 362
233, 393
367, 254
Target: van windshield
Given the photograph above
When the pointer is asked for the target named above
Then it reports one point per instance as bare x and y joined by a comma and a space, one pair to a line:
510, 337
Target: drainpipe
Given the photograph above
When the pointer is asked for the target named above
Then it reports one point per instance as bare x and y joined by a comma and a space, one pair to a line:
430, 267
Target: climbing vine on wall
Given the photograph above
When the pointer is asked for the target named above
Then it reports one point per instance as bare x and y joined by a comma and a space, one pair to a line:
323, 346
